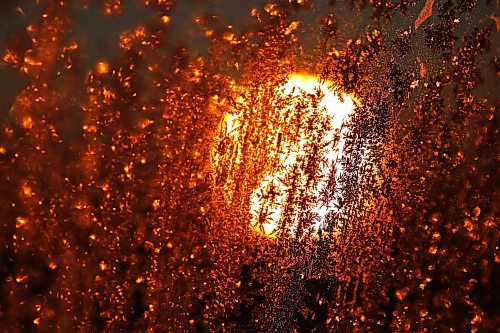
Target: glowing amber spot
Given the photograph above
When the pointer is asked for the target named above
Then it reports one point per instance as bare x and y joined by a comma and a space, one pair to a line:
292, 27
165, 19
27, 191
27, 122
22, 278
308, 125
103, 266
20, 222
102, 67
156, 204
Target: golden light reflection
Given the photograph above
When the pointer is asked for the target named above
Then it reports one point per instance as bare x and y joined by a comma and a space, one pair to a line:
301, 179
102, 67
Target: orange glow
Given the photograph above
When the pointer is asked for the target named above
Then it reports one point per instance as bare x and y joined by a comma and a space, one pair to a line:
330, 114
102, 67
165, 19
20, 221
261, 166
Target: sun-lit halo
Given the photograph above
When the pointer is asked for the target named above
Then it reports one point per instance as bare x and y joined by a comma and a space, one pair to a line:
308, 137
